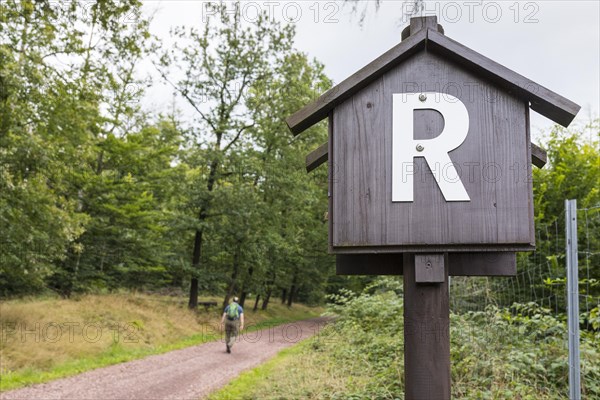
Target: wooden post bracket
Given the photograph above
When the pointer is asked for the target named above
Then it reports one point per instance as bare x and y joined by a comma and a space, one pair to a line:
429, 268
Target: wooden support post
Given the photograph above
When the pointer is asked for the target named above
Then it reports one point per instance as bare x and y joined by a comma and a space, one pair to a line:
426, 333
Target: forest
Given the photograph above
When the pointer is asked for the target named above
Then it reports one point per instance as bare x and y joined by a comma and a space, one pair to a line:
114, 211
99, 194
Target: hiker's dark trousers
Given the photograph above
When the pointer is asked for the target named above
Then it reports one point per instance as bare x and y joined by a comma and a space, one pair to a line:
231, 331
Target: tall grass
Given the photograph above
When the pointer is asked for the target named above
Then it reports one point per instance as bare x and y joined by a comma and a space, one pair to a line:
44, 339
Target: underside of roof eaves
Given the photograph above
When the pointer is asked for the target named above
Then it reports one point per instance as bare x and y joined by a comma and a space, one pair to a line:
546, 102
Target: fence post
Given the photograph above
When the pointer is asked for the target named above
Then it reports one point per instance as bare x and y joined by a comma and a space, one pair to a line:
573, 300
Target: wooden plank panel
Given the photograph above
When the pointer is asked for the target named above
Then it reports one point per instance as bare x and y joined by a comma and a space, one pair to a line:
369, 167
483, 264
529, 179
496, 142
319, 109
369, 264
511, 247
317, 157
460, 248
342, 194
331, 172
473, 157
539, 157
546, 102
543, 100
360, 178
459, 264
432, 212
510, 170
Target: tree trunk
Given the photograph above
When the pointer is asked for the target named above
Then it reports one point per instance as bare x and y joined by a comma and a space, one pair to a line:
246, 285
234, 276
193, 302
283, 296
291, 296
256, 303
265, 303
293, 288
269, 288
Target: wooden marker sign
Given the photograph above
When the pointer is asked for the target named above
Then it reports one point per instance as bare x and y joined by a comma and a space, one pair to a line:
430, 158
427, 170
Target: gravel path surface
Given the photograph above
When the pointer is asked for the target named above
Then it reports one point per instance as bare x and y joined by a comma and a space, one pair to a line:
189, 374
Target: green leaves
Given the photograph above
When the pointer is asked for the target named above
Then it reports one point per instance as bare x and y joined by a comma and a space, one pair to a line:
66, 71
259, 217
498, 353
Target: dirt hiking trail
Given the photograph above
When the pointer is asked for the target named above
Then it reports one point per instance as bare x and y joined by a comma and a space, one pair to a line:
187, 374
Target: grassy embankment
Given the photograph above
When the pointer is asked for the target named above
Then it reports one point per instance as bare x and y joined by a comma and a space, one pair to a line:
50, 338
496, 354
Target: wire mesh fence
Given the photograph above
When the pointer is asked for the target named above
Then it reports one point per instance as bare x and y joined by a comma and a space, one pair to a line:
541, 275
540, 288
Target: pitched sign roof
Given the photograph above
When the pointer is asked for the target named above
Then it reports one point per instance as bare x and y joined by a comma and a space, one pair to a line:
429, 150
546, 102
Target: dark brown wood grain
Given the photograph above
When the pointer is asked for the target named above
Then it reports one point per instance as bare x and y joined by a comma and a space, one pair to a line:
331, 173
539, 157
418, 23
430, 268
546, 102
512, 190
494, 161
427, 22
317, 157
426, 336
483, 264
459, 264
319, 109
529, 177
514, 247
369, 264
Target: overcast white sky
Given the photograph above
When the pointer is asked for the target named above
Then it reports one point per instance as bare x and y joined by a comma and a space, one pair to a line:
555, 43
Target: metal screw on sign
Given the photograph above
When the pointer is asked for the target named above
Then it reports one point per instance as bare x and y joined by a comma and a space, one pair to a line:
423, 97
420, 148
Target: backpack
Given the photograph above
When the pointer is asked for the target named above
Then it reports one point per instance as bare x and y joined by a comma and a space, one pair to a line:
233, 311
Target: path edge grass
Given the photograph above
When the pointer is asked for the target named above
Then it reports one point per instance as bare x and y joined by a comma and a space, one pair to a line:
117, 355
240, 385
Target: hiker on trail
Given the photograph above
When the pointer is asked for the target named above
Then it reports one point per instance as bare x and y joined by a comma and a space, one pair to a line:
233, 318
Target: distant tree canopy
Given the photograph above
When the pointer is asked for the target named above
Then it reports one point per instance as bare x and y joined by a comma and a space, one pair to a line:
67, 109
98, 194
